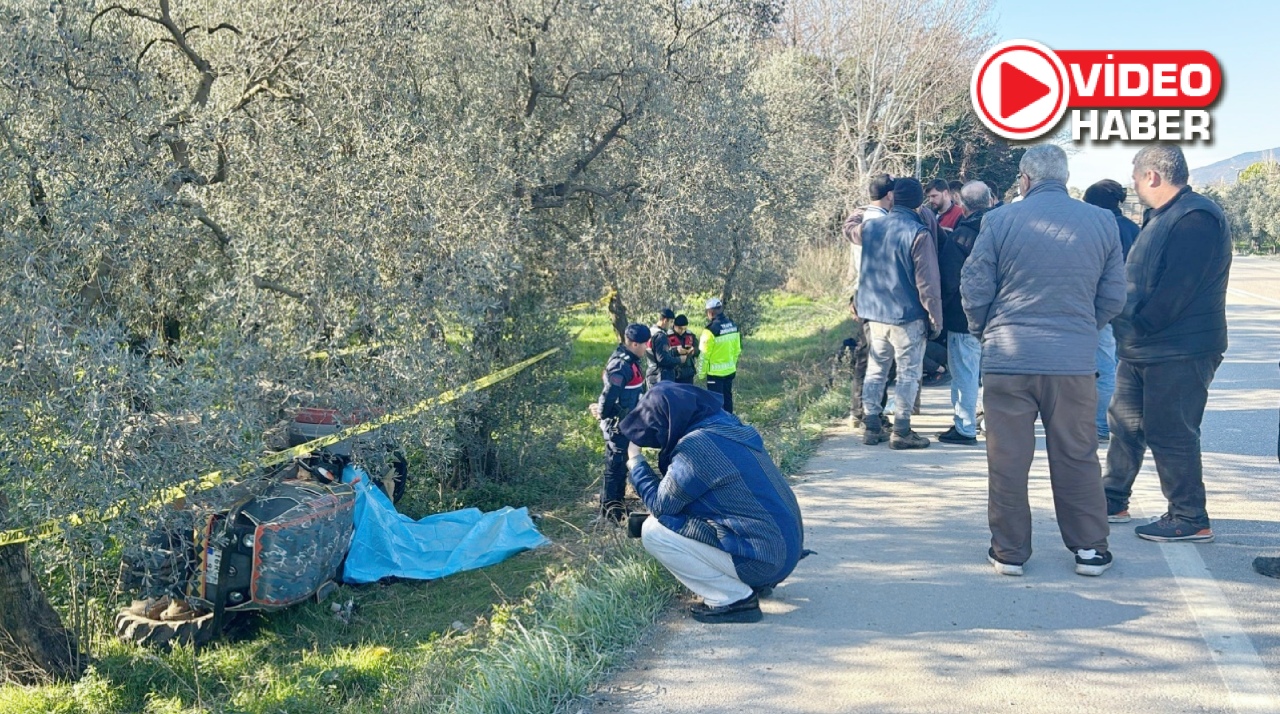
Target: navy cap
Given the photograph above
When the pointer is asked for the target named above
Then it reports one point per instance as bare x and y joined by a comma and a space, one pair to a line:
637, 332
682, 321
667, 314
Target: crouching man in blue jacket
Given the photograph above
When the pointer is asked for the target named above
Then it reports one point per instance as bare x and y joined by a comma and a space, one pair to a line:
723, 519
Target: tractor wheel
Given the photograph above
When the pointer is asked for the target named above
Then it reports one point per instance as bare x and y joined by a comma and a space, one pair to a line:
143, 624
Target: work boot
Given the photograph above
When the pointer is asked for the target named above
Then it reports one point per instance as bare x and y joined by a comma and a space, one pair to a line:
904, 438
874, 433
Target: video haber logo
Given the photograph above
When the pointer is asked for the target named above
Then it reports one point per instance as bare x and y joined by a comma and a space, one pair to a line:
1021, 90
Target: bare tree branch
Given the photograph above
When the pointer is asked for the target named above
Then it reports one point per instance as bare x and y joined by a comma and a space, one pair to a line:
262, 283
177, 37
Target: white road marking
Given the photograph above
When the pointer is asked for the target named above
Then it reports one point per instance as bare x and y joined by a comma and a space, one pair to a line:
1241, 669
1255, 296
1258, 263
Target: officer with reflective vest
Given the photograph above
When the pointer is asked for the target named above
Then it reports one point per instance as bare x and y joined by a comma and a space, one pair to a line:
623, 385
662, 361
685, 346
720, 345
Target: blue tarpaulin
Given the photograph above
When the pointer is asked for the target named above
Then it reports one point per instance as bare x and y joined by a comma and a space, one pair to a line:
390, 544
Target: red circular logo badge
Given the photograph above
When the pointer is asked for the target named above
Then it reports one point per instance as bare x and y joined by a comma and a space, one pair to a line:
1020, 89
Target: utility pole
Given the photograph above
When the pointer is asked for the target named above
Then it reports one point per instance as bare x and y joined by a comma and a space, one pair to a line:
919, 139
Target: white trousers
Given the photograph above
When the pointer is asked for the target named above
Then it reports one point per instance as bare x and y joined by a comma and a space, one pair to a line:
704, 569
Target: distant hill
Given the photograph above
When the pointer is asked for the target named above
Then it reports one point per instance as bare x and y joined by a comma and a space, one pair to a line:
1225, 171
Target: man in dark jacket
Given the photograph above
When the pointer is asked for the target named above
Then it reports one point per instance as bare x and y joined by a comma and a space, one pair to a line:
1170, 338
723, 519
685, 345
1044, 276
1109, 194
662, 361
899, 297
623, 385
964, 352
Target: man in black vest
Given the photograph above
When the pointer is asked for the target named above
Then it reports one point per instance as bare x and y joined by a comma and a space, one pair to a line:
1170, 339
899, 299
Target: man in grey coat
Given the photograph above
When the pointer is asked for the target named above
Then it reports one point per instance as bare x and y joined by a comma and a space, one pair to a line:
1045, 274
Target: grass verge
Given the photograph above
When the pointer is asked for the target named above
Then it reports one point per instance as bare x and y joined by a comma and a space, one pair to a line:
527, 635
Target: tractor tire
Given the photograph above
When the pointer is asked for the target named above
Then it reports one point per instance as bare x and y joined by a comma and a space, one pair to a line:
134, 625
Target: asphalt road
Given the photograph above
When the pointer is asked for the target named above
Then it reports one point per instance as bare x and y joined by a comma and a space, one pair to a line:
899, 611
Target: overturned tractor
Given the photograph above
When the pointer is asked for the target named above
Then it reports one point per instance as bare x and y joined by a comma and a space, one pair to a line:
272, 542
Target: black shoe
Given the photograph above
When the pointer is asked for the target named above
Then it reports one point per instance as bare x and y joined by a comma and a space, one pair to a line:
941, 379
909, 440
763, 591
1269, 567
745, 610
1170, 530
871, 438
951, 436
1091, 562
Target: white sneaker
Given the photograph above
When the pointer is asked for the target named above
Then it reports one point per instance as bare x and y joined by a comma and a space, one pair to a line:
1002, 567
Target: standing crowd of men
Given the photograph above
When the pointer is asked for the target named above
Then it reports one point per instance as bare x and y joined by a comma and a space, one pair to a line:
1047, 308
1057, 309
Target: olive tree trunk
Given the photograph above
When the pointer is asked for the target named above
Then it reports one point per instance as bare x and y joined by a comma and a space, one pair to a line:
34, 646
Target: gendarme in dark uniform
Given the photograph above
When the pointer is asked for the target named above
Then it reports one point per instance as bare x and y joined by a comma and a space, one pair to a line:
663, 361
623, 384
685, 344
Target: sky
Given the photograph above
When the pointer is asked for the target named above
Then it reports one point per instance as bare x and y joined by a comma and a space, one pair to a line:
1243, 34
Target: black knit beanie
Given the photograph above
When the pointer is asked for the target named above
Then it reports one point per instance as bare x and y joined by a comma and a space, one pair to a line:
1105, 194
907, 193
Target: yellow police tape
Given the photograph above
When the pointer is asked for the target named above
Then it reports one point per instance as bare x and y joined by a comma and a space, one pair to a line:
52, 528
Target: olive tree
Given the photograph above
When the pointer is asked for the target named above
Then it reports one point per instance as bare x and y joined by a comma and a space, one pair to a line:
199, 196
895, 76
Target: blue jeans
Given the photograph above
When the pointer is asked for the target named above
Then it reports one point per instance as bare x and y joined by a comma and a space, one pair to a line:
964, 359
902, 345
1106, 357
